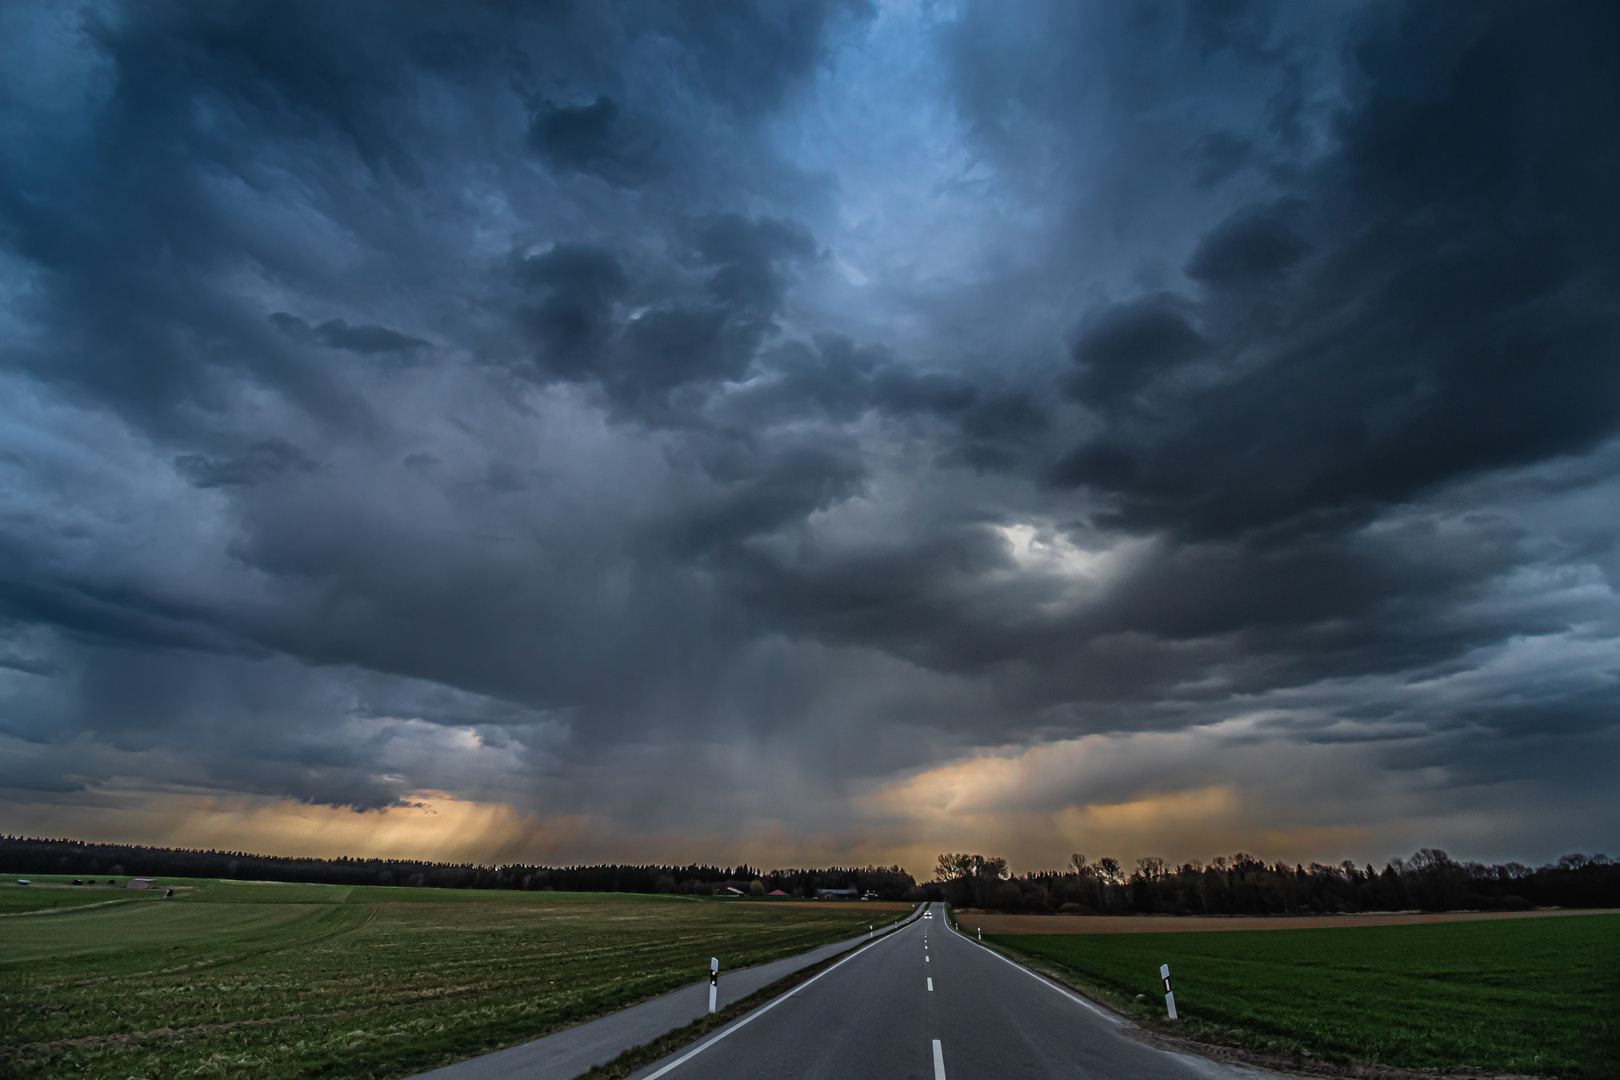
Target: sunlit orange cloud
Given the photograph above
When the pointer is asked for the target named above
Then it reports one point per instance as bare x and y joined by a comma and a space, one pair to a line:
1015, 805
435, 827
1122, 796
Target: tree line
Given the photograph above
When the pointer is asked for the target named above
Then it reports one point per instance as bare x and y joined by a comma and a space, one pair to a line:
29, 855
1229, 885
1243, 885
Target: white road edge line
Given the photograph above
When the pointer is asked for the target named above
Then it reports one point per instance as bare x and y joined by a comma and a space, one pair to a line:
939, 1062
762, 1010
1076, 998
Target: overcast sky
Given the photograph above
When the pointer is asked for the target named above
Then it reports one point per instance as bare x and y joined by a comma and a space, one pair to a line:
811, 432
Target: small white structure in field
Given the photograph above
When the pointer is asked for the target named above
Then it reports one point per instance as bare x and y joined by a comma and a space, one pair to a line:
139, 883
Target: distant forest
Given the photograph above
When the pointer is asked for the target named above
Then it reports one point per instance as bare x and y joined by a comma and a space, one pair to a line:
1236, 885
20, 855
1242, 885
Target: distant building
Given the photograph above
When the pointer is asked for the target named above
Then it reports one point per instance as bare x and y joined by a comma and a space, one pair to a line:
734, 891
835, 892
776, 892
139, 883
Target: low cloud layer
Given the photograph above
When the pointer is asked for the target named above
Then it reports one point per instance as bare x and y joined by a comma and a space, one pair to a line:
822, 431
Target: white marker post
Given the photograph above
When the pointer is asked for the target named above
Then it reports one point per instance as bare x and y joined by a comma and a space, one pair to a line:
1169, 995
871, 932
714, 980
980, 930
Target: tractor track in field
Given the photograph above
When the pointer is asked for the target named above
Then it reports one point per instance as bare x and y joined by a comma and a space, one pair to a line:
75, 907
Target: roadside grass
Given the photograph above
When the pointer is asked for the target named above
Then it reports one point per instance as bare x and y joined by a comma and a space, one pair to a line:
1530, 996
262, 980
680, 1038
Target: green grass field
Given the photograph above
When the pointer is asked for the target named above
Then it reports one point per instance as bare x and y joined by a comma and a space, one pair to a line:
267, 980
1529, 996
46, 896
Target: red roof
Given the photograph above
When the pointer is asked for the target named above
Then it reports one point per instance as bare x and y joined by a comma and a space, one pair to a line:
776, 892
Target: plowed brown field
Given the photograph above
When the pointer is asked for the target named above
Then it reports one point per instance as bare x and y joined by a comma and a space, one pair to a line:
995, 923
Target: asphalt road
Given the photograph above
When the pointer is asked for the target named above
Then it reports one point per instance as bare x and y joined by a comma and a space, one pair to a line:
565, 1054
925, 1004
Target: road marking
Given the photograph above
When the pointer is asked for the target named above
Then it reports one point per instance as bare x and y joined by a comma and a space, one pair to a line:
756, 1014
930, 986
925, 959
1076, 998
939, 1062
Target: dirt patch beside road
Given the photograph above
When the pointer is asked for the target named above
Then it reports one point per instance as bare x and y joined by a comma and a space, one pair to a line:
996, 923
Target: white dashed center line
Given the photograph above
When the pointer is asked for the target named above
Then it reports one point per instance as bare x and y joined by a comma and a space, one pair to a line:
930, 986
939, 1062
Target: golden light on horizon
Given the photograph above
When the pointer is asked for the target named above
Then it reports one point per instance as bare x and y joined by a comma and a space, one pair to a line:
1031, 806
434, 826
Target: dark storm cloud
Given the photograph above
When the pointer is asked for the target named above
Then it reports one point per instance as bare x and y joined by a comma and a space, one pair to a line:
715, 336
595, 139
367, 340
247, 93
338, 334
1132, 344
706, 329
574, 321
473, 398
1254, 248
1414, 306
234, 152
262, 461
1449, 319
